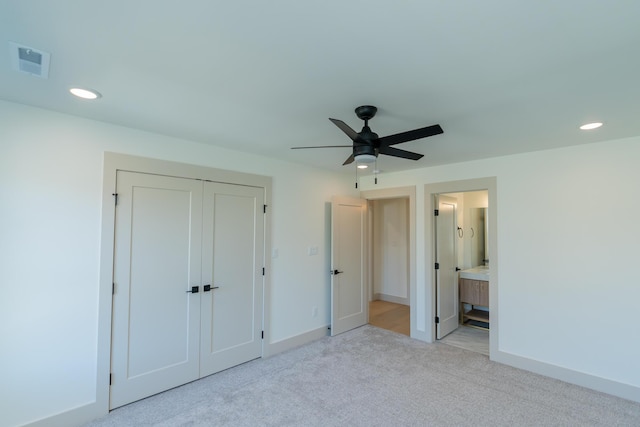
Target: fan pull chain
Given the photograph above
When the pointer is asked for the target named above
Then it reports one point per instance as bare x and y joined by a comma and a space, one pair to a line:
375, 173
356, 176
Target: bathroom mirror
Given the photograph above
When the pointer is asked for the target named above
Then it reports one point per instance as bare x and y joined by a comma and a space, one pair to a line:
478, 232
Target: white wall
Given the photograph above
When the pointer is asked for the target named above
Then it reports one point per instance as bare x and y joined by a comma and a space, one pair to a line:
50, 219
568, 294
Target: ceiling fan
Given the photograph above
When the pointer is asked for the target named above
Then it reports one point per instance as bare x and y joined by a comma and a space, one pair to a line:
367, 145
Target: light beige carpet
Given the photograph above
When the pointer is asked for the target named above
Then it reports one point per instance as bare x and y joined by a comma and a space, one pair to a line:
373, 377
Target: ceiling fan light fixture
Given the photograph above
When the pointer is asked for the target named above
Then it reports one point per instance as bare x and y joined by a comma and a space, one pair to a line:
365, 158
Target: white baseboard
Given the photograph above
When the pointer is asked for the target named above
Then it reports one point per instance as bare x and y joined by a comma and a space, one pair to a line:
582, 379
295, 341
390, 298
77, 416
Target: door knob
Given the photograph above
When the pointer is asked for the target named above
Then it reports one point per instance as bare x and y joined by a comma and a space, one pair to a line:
194, 290
458, 269
207, 288
335, 272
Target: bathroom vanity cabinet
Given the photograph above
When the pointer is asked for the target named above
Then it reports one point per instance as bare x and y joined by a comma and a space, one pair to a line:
475, 293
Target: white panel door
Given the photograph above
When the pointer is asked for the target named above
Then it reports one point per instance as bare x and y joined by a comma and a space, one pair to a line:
156, 321
446, 275
232, 262
348, 286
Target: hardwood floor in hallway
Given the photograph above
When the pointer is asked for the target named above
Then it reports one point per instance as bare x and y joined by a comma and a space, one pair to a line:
391, 316
395, 317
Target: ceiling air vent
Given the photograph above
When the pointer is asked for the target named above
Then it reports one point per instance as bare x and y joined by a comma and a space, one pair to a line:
29, 60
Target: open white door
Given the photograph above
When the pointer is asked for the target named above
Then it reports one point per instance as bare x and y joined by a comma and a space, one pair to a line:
348, 285
446, 260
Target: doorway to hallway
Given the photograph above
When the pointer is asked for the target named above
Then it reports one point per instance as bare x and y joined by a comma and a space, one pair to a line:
390, 316
391, 259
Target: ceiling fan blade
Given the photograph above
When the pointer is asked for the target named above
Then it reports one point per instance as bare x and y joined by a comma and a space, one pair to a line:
345, 128
348, 161
396, 152
324, 146
410, 135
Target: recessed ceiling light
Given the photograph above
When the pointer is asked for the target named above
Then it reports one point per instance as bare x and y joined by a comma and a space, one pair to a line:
362, 166
590, 126
85, 93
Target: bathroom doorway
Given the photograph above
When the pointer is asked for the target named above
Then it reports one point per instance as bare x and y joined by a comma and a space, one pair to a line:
470, 273
475, 253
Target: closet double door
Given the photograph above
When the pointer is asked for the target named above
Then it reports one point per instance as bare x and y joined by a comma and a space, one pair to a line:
188, 282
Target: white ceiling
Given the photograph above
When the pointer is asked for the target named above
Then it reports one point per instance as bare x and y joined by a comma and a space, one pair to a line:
499, 76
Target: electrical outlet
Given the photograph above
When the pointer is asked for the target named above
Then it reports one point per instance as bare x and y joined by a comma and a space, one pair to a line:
312, 250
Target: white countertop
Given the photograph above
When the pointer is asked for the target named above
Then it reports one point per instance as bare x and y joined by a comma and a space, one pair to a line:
476, 273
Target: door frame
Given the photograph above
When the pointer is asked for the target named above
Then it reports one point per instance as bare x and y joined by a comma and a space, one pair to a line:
430, 190
408, 192
112, 162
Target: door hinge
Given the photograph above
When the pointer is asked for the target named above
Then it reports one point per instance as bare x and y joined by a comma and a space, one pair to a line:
110, 379
262, 334
437, 266
437, 320
115, 198
113, 289
436, 212
264, 208
263, 271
